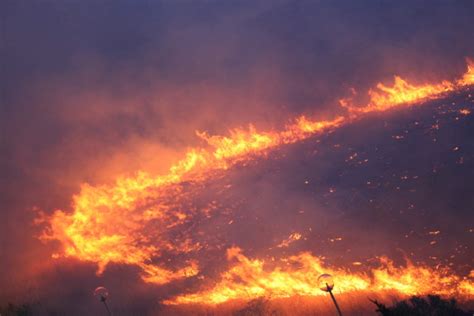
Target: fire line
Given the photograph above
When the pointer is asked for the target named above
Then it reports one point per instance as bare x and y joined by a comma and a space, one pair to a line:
107, 222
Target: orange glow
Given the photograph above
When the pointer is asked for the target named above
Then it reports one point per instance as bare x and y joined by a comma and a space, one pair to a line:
108, 223
292, 238
403, 93
296, 276
468, 77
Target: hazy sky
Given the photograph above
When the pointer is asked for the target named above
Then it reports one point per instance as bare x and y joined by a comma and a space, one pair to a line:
94, 89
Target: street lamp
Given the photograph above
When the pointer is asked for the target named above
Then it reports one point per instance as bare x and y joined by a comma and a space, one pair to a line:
326, 284
102, 294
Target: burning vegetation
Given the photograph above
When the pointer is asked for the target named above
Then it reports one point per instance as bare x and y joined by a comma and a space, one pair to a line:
142, 220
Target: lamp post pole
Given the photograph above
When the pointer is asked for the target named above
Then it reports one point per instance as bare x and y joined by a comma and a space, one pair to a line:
102, 294
334, 300
103, 299
326, 284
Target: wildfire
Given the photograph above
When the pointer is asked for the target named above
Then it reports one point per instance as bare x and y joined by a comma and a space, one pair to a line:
112, 223
468, 77
384, 98
403, 93
292, 238
108, 221
296, 275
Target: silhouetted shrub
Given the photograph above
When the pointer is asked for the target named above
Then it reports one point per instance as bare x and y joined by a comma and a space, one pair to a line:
432, 305
15, 310
257, 307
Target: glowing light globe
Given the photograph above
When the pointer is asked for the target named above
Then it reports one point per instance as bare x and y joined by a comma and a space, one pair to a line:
326, 282
101, 293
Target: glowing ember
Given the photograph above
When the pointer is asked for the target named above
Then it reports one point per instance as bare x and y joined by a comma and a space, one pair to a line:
465, 111
292, 238
110, 223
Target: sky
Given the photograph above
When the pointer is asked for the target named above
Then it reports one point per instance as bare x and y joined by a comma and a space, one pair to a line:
92, 90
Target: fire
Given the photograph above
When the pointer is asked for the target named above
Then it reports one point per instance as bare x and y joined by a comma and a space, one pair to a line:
403, 93
108, 221
384, 98
297, 275
468, 77
240, 142
117, 223
292, 238
106, 228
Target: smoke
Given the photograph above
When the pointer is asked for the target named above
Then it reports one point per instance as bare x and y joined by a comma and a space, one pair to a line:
94, 90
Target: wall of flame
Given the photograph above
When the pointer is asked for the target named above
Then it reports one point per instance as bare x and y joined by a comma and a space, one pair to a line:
111, 223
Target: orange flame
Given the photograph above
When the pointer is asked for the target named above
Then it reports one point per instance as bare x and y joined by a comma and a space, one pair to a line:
468, 77
296, 276
403, 93
108, 223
